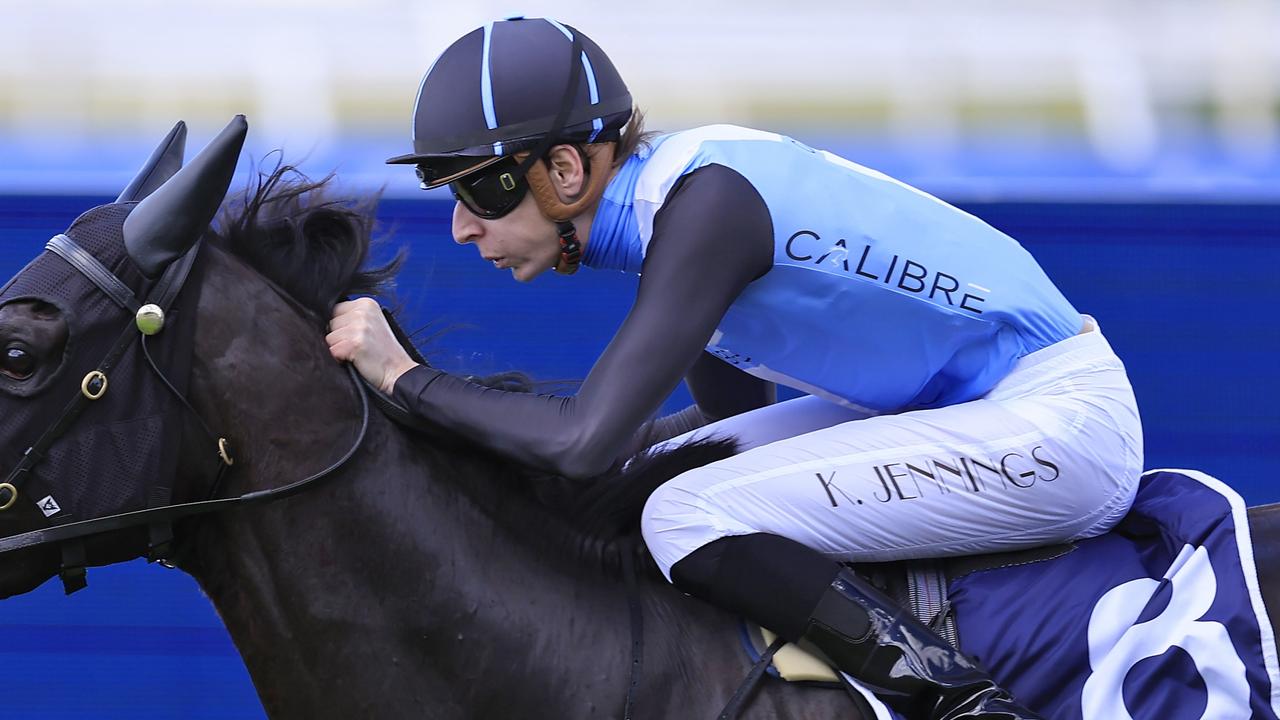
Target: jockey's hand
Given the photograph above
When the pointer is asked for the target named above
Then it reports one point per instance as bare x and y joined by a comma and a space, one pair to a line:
359, 334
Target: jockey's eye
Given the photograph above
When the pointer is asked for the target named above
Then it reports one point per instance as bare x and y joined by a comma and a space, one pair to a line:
17, 363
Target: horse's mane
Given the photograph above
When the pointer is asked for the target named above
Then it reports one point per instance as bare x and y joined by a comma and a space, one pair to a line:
313, 245
296, 233
603, 513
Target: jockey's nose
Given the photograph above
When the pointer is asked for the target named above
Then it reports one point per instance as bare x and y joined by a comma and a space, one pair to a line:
466, 226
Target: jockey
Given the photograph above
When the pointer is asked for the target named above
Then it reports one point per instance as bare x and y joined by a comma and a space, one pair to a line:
956, 402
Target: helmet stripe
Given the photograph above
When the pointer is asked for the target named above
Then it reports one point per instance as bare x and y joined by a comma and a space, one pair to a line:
486, 86
597, 124
561, 28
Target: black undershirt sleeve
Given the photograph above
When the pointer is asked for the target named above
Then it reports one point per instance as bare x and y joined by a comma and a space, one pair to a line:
711, 238
721, 390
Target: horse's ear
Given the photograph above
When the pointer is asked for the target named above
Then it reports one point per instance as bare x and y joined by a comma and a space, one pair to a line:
169, 221
163, 163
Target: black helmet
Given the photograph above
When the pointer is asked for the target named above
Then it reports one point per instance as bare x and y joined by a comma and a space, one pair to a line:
511, 86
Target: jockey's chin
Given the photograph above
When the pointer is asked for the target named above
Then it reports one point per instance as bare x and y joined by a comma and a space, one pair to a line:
528, 270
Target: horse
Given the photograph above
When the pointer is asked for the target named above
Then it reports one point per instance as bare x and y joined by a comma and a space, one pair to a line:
362, 568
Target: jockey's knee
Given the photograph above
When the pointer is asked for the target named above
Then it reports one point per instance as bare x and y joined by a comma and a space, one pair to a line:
676, 521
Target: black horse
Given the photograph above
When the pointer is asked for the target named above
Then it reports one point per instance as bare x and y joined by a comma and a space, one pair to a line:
416, 576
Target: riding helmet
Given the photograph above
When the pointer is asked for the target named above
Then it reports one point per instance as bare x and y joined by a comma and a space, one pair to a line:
511, 86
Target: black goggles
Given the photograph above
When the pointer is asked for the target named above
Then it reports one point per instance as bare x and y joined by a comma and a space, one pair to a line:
491, 192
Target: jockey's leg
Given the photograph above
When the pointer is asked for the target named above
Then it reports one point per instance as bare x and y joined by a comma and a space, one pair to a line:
1052, 453
796, 592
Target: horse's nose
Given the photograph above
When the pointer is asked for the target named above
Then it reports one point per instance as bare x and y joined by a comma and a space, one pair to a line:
466, 226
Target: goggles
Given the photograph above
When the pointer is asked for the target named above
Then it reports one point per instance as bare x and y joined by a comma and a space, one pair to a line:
490, 192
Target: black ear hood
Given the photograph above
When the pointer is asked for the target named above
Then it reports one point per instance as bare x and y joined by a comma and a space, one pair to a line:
164, 162
170, 220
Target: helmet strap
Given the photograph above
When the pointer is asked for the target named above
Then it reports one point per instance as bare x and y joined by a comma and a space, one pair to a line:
566, 106
570, 248
600, 157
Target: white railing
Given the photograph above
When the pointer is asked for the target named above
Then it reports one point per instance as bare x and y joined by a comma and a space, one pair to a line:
1128, 76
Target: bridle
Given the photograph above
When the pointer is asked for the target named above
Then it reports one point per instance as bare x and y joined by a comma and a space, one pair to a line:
93, 387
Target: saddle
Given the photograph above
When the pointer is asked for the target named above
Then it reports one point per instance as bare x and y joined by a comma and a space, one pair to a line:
920, 586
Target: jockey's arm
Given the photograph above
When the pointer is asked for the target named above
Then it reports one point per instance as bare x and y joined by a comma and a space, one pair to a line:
711, 238
719, 390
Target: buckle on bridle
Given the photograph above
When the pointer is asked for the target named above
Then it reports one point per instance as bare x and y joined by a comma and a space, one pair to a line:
94, 385
13, 496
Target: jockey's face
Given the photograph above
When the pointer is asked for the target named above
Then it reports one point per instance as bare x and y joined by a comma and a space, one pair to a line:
522, 241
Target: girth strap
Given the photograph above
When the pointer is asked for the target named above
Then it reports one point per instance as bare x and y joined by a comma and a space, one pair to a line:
927, 598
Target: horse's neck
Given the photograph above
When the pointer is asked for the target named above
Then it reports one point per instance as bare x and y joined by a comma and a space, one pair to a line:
387, 591
394, 578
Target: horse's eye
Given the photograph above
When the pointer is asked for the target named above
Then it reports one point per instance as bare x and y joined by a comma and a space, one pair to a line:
17, 363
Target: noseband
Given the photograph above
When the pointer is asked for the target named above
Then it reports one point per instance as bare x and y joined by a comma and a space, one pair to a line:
94, 386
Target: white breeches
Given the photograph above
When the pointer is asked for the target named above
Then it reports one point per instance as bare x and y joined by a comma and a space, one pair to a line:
1052, 453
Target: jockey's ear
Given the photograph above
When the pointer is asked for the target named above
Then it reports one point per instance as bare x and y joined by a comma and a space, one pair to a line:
568, 171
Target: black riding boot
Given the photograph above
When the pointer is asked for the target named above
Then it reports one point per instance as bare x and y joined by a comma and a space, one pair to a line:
868, 636
798, 593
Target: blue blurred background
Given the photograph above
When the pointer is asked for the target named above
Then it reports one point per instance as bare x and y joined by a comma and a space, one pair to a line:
1133, 146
